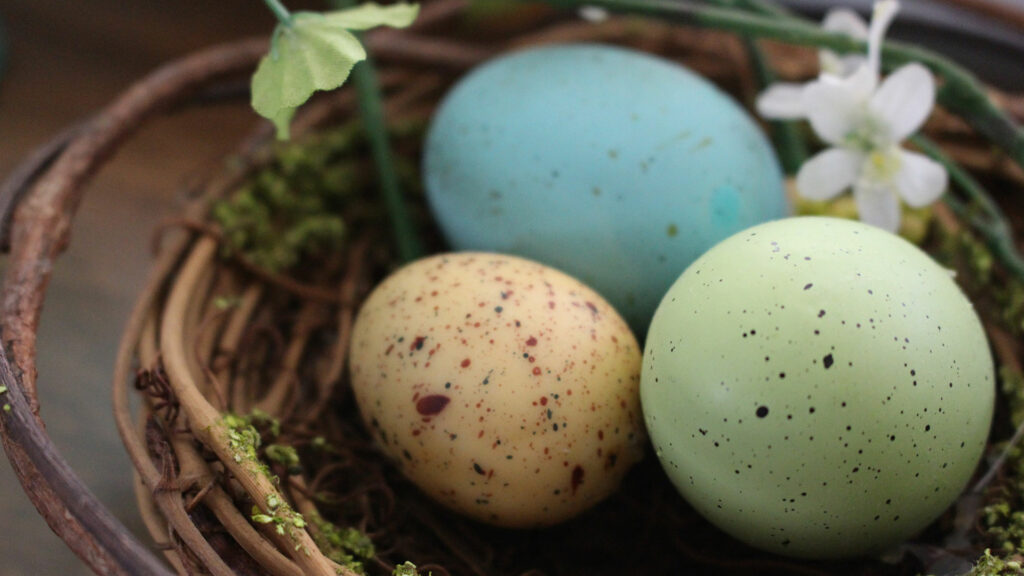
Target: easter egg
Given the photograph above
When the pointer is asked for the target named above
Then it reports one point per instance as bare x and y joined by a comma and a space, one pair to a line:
618, 167
818, 387
504, 389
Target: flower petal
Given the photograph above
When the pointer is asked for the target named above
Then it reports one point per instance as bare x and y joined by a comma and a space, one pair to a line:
904, 100
881, 18
842, 66
833, 105
845, 21
781, 100
848, 22
921, 180
828, 173
593, 13
877, 205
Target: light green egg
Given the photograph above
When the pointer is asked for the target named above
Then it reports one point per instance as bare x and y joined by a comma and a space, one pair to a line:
818, 387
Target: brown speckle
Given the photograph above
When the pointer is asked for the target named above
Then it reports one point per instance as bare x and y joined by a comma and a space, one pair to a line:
432, 405
577, 478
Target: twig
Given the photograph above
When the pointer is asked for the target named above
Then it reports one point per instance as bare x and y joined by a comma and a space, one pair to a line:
154, 520
354, 275
1006, 351
285, 383
233, 334
365, 78
996, 10
990, 222
206, 423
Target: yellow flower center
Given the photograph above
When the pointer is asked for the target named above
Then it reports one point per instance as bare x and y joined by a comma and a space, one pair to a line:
882, 165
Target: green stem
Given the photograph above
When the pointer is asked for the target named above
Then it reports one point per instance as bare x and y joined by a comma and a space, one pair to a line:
786, 134
365, 78
985, 216
765, 8
280, 12
961, 92
371, 109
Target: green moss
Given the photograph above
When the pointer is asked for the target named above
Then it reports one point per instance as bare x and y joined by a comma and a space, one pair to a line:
1005, 526
281, 515
346, 546
243, 438
265, 422
1012, 387
999, 299
407, 569
914, 225
976, 267
226, 302
286, 456
244, 441
989, 565
291, 209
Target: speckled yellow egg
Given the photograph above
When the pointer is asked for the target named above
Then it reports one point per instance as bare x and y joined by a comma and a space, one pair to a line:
503, 388
818, 387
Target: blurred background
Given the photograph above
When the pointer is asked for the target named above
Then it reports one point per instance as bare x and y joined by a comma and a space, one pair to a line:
67, 59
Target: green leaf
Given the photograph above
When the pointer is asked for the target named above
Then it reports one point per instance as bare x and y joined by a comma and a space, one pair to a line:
314, 52
372, 14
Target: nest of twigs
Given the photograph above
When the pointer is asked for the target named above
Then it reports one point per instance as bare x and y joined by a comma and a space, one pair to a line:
249, 454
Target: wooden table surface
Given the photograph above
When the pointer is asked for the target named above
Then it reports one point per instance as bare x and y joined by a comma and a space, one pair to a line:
67, 60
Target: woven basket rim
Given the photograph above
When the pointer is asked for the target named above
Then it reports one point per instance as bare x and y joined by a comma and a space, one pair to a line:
38, 201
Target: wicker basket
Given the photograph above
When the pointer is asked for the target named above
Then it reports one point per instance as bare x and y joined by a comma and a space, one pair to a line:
243, 337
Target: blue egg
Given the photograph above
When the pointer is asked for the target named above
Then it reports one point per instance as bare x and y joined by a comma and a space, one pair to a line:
612, 165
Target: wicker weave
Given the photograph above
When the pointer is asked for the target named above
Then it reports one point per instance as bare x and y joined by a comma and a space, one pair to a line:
280, 346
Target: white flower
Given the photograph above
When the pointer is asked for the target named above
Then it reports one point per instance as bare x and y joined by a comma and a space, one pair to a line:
783, 99
593, 14
842, 21
864, 122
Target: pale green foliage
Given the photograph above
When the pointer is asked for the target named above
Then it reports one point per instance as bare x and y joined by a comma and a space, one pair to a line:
407, 569
346, 546
280, 514
290, 209
313, 51
285, 455
989, 565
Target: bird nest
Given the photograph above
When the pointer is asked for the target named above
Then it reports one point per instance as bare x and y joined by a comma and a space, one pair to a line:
249, 455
